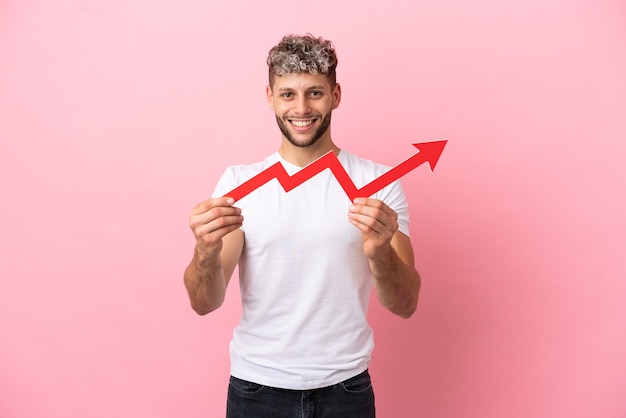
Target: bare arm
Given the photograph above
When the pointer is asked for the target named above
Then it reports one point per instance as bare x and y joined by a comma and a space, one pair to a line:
390, 254
219, 241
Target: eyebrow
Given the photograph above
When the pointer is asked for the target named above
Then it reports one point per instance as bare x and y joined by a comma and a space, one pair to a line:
320, 87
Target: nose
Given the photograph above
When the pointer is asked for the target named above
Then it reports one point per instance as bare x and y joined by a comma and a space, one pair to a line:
302, 106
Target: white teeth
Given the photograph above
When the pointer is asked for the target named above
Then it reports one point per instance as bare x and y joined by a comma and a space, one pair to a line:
301, 123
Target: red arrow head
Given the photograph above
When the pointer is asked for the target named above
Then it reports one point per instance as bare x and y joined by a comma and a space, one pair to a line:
431, 151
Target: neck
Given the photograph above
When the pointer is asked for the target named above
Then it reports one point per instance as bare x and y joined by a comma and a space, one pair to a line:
303, 156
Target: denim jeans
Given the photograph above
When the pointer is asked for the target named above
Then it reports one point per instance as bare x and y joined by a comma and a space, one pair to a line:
353, 398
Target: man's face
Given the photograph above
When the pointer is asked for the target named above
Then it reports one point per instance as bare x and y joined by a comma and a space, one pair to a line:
303, 104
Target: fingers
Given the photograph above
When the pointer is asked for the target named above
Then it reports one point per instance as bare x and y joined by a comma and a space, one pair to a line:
206, 205
372, 215
213, 218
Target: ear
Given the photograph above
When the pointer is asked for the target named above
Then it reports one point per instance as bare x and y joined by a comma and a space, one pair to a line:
336, 96
270, 97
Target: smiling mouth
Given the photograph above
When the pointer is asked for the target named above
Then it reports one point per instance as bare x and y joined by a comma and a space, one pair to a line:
302, 123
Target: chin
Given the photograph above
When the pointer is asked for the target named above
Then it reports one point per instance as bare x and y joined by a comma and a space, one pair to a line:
305, 143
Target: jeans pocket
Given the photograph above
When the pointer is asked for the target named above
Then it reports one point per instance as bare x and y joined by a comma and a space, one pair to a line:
359, 384
245, 387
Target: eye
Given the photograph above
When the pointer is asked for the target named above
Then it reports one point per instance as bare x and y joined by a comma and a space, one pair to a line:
286, 95
316, 93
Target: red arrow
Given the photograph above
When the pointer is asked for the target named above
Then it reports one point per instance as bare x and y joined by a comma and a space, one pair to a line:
429, 152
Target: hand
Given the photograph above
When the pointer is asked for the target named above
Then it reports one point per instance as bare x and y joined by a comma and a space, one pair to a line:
378, 224
211, 220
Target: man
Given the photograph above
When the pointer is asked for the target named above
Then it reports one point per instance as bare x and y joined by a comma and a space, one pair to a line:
308, 259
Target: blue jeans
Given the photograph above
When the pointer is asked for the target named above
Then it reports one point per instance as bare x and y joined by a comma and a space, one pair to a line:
353, 398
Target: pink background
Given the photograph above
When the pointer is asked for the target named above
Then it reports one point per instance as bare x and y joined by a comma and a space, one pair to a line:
117, 117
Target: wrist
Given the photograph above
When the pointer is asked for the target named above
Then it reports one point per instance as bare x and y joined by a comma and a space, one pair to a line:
384, 259
205, 255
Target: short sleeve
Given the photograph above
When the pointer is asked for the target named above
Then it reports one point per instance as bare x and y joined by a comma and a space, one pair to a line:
394, 196
226, 183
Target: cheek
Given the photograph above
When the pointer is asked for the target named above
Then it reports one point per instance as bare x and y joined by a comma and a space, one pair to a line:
278, 109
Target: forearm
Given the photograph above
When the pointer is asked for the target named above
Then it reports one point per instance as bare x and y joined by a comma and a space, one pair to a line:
397, 284
205, 283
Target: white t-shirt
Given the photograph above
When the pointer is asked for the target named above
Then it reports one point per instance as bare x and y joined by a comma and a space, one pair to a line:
304, 279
